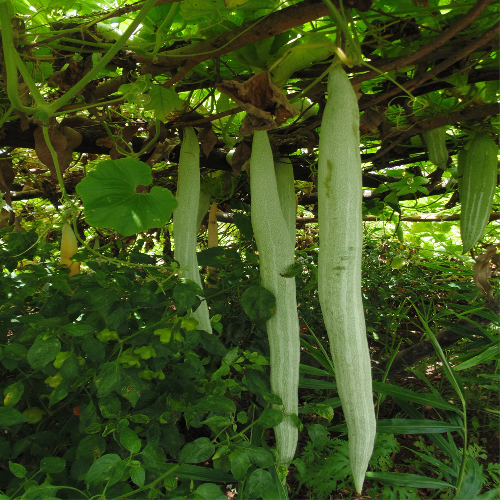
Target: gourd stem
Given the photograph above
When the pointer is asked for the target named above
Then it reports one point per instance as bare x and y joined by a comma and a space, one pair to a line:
10, 59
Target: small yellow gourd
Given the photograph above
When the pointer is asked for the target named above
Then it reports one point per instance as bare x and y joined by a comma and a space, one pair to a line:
69, 246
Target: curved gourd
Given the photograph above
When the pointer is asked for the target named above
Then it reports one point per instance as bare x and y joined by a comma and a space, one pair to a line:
339, 266
186, 218
276, 255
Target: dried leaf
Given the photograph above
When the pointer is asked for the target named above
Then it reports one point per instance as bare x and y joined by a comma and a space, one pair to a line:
261, 99
105, 142
59, 143
157, 154
482, 272
7, 174
73, 137
241, 155
370, 120
208, 139
5, 217
421, 3
312, 138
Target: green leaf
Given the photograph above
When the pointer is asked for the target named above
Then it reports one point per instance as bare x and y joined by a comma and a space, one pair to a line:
217, 421
415, 397
42, 492
110, 200
218, 257
59, 393
131, 388
239, 465
408, 480
102, 469
409, 426
129, 440
196, 9
94, 349
214, 402
13, 394
472, 483
490, 352
199, 450
258, 303
270, 418
318, 435
186, 295
313, 47
244, 224
91, 447
153, 456
108, 379
211, 344
139, 418
257, 382
10, 416
77, 330
17, 469
138, 476
102, 299
52, 464
259, 482
163, 101
325, 411
210, 491
259, 456
110, 406
489, 495
42, 352
197, 473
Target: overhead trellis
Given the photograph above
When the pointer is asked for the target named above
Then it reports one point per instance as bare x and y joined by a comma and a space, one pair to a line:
229, 68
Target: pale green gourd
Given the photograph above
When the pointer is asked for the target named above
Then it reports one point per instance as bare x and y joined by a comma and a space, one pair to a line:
435, 139
186, 218
461, 156
276, 255
339, 266
203, 205
286, 193
478, 187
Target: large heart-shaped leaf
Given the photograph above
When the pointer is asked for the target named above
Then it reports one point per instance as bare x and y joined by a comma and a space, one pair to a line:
110, 199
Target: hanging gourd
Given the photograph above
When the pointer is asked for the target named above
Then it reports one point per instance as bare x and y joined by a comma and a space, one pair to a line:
478, 187
435, 139
276, 255
69, 246
286, 194
186, 218
339, 266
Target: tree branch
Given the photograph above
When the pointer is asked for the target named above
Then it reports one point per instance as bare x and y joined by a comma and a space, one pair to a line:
249, 32
435, 44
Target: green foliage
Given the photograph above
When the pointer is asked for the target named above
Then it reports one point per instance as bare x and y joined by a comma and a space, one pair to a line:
324, 463
110, 199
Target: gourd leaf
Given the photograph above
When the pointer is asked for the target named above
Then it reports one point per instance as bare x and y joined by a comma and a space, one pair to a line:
312, 48
110, 199
163, 101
